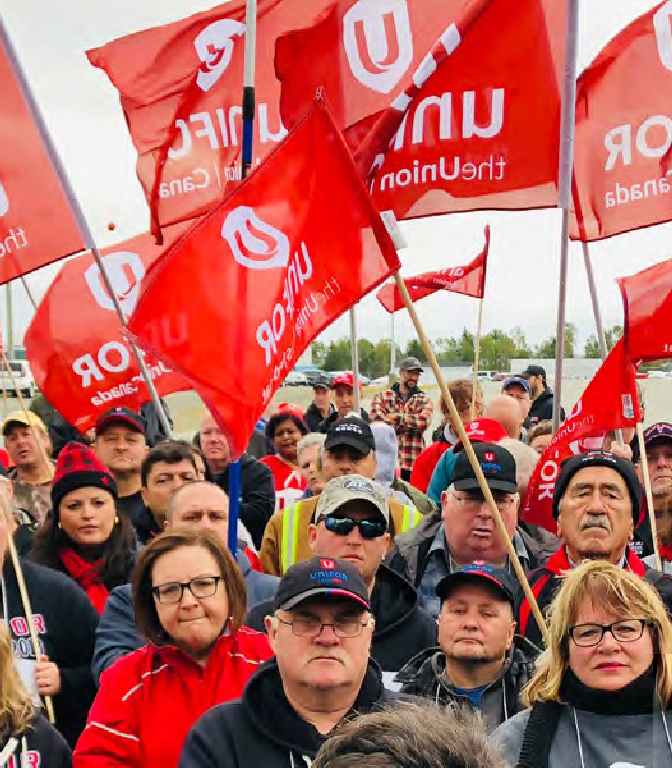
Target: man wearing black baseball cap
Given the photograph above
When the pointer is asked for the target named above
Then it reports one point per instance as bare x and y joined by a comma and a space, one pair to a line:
321, 407
481, 662
542, 396
597, 503
406, 408
320, 632
466, 532
349, 448
120, 444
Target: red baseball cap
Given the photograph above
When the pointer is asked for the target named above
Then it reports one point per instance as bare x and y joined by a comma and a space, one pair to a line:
483, 431
291, 408
346, 379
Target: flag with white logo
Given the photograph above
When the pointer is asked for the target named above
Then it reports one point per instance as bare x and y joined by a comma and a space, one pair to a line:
78, 356
609, 402
37, 226
469, 281
180, 88
623, 134
473, 117
256, 280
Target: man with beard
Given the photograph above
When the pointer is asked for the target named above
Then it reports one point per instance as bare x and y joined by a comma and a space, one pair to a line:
596, 503
542, 396
481, 662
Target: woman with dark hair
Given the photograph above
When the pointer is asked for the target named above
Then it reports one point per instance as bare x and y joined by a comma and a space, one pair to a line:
284, 430
84, 536
190, 601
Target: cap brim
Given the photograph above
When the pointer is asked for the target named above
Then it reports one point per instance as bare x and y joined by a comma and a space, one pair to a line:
349, 440
448, 583
471, 483
359, 499
119, 419
9, 424
324, 592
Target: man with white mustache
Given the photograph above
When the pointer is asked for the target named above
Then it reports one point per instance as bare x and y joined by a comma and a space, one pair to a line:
597, 504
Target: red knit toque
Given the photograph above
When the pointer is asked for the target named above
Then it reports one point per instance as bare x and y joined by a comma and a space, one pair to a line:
79, 467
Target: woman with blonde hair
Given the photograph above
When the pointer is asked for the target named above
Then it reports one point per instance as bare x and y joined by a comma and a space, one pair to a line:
26, 737
601, 694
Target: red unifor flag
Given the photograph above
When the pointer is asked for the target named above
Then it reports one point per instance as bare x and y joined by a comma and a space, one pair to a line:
475, 125
37, 226
623, 135
77, 354
251, 285
180, 87
609, 402
647, 301
469, 281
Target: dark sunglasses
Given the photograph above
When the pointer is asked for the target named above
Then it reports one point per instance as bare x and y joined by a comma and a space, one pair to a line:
368, 529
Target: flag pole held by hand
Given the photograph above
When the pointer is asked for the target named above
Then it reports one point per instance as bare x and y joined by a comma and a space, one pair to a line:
473, 460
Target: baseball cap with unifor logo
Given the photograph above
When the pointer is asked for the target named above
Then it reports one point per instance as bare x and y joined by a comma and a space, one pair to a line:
497, 464
482, 431
121, 415
347, 488
353, 432
321, 576
498, 578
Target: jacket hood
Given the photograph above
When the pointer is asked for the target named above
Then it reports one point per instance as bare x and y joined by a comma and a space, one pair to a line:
426, 671
392, 601
385, 440
267, 707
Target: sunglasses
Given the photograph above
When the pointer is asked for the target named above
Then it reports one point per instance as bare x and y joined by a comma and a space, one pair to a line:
368, 529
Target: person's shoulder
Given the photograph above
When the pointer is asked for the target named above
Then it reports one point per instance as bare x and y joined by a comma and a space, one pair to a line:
508, 736
252, 645
44, 738
44, 577
132, 669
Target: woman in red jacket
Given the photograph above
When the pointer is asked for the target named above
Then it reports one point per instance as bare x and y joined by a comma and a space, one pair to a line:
284, 430
190, 604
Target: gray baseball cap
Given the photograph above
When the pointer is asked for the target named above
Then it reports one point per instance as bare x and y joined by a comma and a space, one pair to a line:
341, 490
411, 364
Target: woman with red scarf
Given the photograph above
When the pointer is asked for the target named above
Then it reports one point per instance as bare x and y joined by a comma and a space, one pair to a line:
84, 536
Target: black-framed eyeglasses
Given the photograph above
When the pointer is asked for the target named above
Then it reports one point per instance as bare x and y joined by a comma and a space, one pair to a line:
311, 626
172, 593
368, 528
624, 631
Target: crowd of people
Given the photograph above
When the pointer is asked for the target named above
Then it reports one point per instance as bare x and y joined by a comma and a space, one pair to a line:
370, 615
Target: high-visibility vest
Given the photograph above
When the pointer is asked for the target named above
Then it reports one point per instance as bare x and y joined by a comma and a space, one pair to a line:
290, 531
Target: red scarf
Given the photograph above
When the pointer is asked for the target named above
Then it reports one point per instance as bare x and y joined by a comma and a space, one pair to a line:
87, 575
665, 551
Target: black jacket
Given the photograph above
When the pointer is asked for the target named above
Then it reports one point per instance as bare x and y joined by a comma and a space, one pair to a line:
257, 495
425, 675
154, 432
262, 728
41, 745
133, 506
66, 624
542, 409
324, 425
403, 629
313, 416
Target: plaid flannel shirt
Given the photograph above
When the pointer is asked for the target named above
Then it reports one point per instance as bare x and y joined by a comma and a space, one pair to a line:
410, 421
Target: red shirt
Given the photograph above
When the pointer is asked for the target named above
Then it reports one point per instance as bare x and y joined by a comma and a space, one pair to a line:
425, 464
148, 701
289, 482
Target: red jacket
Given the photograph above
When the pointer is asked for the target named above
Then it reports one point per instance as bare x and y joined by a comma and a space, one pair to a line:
425, 463
148, 701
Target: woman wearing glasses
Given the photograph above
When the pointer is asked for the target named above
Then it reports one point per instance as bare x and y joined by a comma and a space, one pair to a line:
601, 695
189, 605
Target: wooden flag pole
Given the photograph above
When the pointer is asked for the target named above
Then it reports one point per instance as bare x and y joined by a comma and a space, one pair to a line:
649, 493
468, 449
477, 350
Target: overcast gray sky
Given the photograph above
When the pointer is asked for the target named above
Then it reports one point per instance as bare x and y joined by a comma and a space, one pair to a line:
83, 113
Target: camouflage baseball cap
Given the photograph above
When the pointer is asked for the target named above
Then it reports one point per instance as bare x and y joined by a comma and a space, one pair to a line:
341, 490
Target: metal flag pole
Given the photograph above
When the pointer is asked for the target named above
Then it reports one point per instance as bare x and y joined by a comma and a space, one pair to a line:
354, 353
78, 214
477, 350
565, 186
392, 348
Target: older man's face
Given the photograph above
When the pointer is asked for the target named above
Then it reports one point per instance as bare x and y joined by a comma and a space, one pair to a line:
596, 519
659, 459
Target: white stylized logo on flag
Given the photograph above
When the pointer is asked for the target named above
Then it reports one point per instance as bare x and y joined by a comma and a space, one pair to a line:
4, 200
378, 42
254, 243
214, 46
125, 271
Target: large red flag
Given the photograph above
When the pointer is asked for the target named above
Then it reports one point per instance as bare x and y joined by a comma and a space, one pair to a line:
609, 402
622, 169
475, 125
37, 226
252, 284
180, 87
647, 301
469, 281
79, 358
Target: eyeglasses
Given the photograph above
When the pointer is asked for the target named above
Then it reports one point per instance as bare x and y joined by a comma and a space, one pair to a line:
624, 631
172, 593
474, 499
310, 626
368, 529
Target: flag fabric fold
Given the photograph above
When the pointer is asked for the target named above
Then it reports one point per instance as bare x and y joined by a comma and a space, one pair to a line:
250, 285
